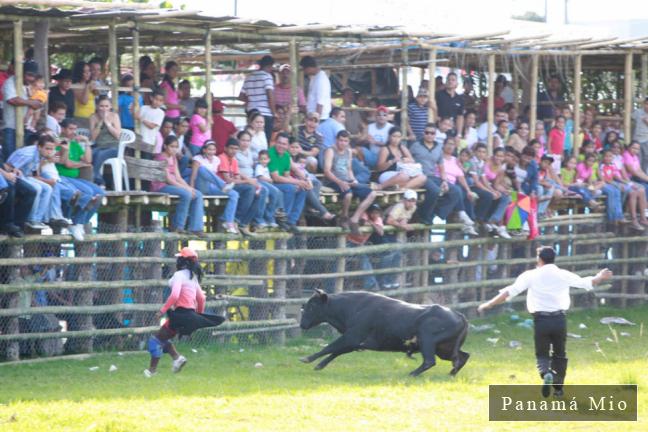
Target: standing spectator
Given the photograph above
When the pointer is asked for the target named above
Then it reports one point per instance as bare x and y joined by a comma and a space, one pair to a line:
329, 129
62, 92
568, 144
168, 86
222, 129
482, 131
640, 117
339, 174
55, 117
190, 205
319, 88
417, 113
258, 93
541, 136
84, 98
200, 131
449, 102
469, 134
256, 129
353, 123
468, 96
11, 101
151, 117
105, 130
505, 92
96, 65
377, 135
287, 179
148, 77
126, 104
310, 140
185, 100
373, 218
283, 91
556, 144
396, 166
549, 99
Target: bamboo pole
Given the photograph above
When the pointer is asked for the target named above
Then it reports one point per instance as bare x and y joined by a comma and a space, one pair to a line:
432, 110
628, 96
208, 76
644, 76
114, 60
404, 90
20, 86
515, 84
136, 85
533, 112
340, 266
578, 62
280, 291
491, 102
294, 72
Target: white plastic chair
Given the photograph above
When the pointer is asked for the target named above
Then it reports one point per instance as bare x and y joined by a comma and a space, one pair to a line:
118, 164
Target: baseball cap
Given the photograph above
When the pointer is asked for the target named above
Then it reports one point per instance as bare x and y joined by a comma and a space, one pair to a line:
374, 207
266, 60
187, 252
217, 105
382, 108
63, 74
30, 67
410, 194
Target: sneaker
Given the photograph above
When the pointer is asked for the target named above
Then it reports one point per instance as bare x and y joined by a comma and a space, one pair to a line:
12, 230
489, 228
36, 225
228, 187
245, 230
501, 231
470, 230
547, 382
260, 227
178, 364
230, 228
636, 226
465, 219
77, 232
148, 373
59, 223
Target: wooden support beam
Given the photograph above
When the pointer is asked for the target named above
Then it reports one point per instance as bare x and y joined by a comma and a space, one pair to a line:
404, 91
432, 110
208, 75
41, 55
491, 102
644, 76
136, 86
578, 62
114, 64
20, 86
294, 71
627, 95
533, 112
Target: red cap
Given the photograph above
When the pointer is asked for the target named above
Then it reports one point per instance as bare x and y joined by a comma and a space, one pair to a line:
187, 252
217, 105
382, 108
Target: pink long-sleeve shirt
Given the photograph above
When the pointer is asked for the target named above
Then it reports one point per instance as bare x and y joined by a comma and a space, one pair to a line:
185, 293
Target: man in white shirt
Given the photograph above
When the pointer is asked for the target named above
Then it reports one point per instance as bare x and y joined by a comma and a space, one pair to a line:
319, 88
548, 300
482, 131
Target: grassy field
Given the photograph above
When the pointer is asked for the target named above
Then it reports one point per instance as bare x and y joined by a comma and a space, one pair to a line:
220, 389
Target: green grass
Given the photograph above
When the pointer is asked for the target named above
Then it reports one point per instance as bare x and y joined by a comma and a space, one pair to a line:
220, 389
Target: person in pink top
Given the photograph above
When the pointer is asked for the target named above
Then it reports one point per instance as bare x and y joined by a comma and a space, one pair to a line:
184, 308
632, 162
168, 86
200, 131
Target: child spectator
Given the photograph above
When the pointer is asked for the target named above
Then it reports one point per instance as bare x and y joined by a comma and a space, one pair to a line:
36, 92
595, 136
549, 186
501, 135
151, 117
556, 144
586, 174
399, 216
636, 197
568, 143
55, 116
125, 102
200, 131
266, 218
568, 178
493, 179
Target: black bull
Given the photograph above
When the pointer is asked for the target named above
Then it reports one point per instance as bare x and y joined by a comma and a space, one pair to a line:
375, 322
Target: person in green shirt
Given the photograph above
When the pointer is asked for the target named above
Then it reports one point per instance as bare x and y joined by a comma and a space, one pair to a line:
289, 181
74, 154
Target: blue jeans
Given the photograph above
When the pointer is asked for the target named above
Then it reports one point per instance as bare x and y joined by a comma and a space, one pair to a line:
313, 196
543, 191
41, 207
360, 171
368, 281
370, 158
498, 209
464, 203
3, 183
266, 214
9, 143
642, 183
61, 193
613, 203
210, 184
294, 200
389, 260
88, 190
194, 149
248, 204
446, 203
99, 156
482, 208
582, 191
188, 207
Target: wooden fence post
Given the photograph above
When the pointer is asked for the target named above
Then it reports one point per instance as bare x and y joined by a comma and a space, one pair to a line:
84, 297
340, 264
12, 348
281, 268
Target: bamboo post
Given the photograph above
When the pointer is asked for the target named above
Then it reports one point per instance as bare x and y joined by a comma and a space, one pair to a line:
432, 110
491, 102
294, 72
628, 96
401, 237
136, 94
12, 349
515, 85
404, 89
425, 260
624, 271
208, 75
533, 112
644, 76
340, 264
83, 297
281, 268
114, 60
577, 102
20, 86
41, 34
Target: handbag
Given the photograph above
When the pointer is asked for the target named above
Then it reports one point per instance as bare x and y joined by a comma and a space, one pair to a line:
410, 168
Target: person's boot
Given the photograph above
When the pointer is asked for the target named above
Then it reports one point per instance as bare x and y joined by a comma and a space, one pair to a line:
547, 382
559, 365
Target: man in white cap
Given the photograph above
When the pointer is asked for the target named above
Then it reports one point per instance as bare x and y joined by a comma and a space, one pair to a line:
283, 91
400, 214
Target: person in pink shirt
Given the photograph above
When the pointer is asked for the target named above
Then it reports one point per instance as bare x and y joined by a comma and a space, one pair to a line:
632, 162
636, 197
199, 126
556, 142
168, 86
184, 308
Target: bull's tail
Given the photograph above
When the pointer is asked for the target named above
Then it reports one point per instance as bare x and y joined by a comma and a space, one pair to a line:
461, 337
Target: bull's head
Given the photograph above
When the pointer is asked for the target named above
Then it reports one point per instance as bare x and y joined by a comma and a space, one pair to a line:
313, 312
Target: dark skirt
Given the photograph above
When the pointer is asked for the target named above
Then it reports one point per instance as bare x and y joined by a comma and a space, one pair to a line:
186, 321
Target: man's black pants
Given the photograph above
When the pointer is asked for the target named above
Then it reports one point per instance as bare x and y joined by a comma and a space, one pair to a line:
550, 334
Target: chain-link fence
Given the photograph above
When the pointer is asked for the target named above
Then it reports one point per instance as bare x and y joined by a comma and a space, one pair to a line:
59, 297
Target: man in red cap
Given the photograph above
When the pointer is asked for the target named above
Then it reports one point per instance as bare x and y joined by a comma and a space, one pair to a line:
222, 129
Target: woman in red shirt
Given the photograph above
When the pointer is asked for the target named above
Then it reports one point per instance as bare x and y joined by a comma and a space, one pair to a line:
184, 309
556, 142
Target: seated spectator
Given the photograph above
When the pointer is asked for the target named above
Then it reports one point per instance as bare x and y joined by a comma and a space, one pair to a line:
339, 174
519, 139
190, 206
199, 126
168, 86
396, 166
548, 188
595, 136
482, 131
586, 175
16, 200
187, 103
568, 178
62, 92
126, 103
373, 218
248, 189
288, 180
222, 129
329, 129
75, 153
313, 197
514, 121
105, 130
151, 117
283, 91
84, 98
455, 175
417, 114
501, 134
266, 194
540, 135
377, 136
204, 177
310, 140
256, 130
556, 143
632, 162
538, 148
636, 195
611, 138
266, 218
55, 116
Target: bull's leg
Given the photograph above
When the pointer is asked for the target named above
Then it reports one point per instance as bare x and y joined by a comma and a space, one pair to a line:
459, 362
346, 343
427, 344
321, 365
